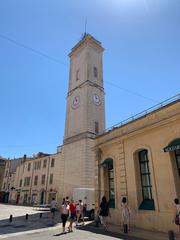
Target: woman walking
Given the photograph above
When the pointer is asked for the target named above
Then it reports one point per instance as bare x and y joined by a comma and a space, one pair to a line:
104, 212
64, 210
125, 215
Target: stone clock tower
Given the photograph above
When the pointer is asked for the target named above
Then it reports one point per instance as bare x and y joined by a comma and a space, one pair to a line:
85, 114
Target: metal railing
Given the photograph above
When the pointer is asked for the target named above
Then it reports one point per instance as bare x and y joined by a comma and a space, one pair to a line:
144, 113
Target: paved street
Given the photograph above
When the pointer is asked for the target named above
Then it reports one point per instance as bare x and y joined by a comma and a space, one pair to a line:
75, 235
46, 228
87, 233
16, 211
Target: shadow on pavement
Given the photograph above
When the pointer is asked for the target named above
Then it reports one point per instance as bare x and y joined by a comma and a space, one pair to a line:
59, 234
91, 227
34, 221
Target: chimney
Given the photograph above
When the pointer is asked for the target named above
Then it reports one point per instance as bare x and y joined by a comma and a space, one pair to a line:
24, 158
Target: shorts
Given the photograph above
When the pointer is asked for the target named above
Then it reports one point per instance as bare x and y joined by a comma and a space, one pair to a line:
53, 210
72, 216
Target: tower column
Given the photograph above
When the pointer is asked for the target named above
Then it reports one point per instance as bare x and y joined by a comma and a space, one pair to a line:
85, 114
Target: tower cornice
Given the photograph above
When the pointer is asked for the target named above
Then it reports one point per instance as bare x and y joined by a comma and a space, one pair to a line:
87, 38
87, 82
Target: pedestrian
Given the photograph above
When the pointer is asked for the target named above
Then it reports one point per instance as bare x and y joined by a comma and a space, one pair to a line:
82, 210
53, 207
104, 212
78, 212
64, 210
72, 210
177, 213
125, 215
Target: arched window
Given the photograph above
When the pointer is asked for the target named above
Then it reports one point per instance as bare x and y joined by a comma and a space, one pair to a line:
147, 202
109, 173
111, 185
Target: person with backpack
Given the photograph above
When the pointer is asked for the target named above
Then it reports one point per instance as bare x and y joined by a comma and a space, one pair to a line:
104, 212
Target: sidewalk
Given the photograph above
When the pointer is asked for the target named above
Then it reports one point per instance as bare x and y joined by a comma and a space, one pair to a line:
144, 234
137, 233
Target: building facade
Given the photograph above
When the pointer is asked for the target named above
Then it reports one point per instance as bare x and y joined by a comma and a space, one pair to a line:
140, 159
7, 188
85, 114
40, 179
2, 169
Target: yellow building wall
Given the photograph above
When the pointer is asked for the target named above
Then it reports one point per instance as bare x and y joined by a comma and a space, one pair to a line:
153, 132
162, 178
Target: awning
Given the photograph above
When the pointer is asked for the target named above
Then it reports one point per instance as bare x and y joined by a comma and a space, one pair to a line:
174, 145
107, 162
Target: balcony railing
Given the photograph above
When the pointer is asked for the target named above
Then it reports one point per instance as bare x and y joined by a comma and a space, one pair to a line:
144, 113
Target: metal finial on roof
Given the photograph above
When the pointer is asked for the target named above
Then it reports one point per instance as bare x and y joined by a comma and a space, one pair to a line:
85, 26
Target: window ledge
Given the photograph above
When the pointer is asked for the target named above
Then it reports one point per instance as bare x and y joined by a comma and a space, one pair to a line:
147, 204
112, 203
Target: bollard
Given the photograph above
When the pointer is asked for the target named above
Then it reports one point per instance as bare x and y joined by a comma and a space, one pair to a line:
171, 235
40, 215
10, 218
27, 216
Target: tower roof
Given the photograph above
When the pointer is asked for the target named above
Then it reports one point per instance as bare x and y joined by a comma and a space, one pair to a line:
87, 38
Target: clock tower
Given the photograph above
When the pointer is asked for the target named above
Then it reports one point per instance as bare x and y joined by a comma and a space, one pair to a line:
85, 114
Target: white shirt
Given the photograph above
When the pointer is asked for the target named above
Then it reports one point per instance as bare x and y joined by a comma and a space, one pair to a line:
81, 206
53, 204
64, 209
78, 207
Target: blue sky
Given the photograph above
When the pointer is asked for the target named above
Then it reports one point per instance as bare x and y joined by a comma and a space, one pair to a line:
142, 56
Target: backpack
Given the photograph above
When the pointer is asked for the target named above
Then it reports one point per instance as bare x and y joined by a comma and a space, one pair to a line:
177, 219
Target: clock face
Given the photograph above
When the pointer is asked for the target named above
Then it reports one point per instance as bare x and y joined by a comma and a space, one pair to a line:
96, 99
76, 102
